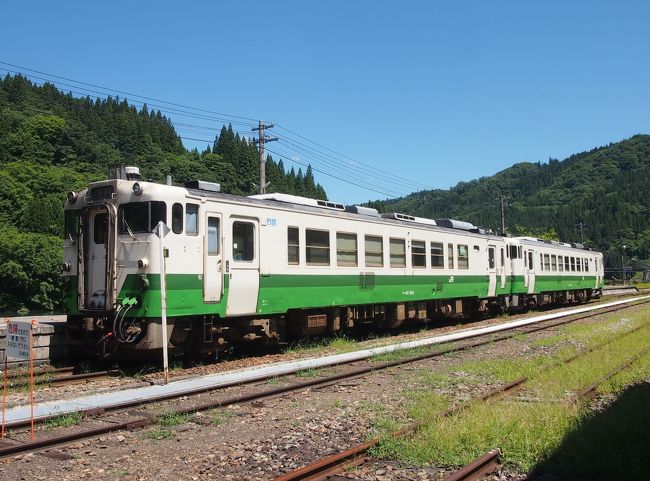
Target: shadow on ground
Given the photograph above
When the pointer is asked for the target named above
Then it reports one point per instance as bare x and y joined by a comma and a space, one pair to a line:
613, 444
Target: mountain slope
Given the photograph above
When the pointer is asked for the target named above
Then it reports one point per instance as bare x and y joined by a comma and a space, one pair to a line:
605, 188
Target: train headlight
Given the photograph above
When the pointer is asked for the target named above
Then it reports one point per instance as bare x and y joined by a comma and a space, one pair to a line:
72, 197
137, 188
65, 266
142, 263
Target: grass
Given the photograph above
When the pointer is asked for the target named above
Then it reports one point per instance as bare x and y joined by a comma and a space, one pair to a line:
219, 418
171, 419
400, 354
526, 432
315, 372
158, 434
64, 421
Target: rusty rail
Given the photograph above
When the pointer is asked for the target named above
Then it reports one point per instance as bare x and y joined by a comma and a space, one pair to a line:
477, 468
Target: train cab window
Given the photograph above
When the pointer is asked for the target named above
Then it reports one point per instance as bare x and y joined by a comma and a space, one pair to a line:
560, 263
139, 217
192, 219
397, 253
99, 228
177, 218
213, 236
573, 264
243, 241
554, 263
72, 223
318, 247
346, 249
418, 254
450, 256
437, 255
374, 251
547, 262
463, 257
566, 264
293, 246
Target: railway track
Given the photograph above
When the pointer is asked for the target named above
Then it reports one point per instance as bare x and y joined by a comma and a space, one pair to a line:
57, 376
124, 417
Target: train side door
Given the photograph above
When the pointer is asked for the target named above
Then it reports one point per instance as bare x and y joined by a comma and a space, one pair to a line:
96, 242
531, 272
212, 258
243, 267
492, 271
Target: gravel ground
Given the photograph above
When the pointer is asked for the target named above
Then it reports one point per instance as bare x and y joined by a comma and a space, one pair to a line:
265, 439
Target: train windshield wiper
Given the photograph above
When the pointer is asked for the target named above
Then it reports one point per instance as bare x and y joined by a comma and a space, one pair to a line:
128, 229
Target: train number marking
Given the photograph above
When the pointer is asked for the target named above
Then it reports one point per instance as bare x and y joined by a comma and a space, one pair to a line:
270, 221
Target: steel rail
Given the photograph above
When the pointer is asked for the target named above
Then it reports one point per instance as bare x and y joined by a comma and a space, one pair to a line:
478, 468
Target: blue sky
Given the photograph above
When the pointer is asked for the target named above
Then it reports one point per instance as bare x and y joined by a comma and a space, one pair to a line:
434, 92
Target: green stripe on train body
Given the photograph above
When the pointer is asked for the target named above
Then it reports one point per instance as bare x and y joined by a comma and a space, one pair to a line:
279, 293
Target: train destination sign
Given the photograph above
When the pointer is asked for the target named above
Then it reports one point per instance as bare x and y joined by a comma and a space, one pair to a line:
17, 340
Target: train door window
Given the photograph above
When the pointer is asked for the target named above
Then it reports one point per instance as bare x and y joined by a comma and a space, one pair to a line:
512, 250
491, 262
519, 250
566, 264
418, 254
192, 219
346, 249
213, 236
530, 260
318, 247
463, 257
547, 262
374, 251
177, 218
450, 256
573, 264
397, 253
554, 263
243, 241
560, 263
99, 228
293, 246
503, 262
525, 259
437, 255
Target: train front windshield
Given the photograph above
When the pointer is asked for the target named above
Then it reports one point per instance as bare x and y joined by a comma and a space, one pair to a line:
140, 217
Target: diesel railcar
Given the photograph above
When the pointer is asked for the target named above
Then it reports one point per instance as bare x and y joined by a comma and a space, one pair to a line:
271, 267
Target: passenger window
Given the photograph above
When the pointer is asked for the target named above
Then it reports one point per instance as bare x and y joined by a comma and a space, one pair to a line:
397, 253
578, 264
346, 249
374, 251
560, 263
243, 241
554, 263
541, 262
318, 247
293, 245
530, 260
177, 218
519, 252
573, 264
192, 219
586, 265
99, 228
566, 264
213, 236
547, 262
463, 257
437, 255
525, 259
418, 254
450, 256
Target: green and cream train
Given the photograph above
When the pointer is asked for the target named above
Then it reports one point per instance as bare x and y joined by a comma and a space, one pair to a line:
271, 267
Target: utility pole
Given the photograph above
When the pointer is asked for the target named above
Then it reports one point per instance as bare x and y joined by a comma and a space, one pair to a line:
503, 204
582, 228
261, 140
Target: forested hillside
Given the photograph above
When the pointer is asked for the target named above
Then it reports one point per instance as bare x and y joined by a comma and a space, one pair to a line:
605, 189
52, 142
